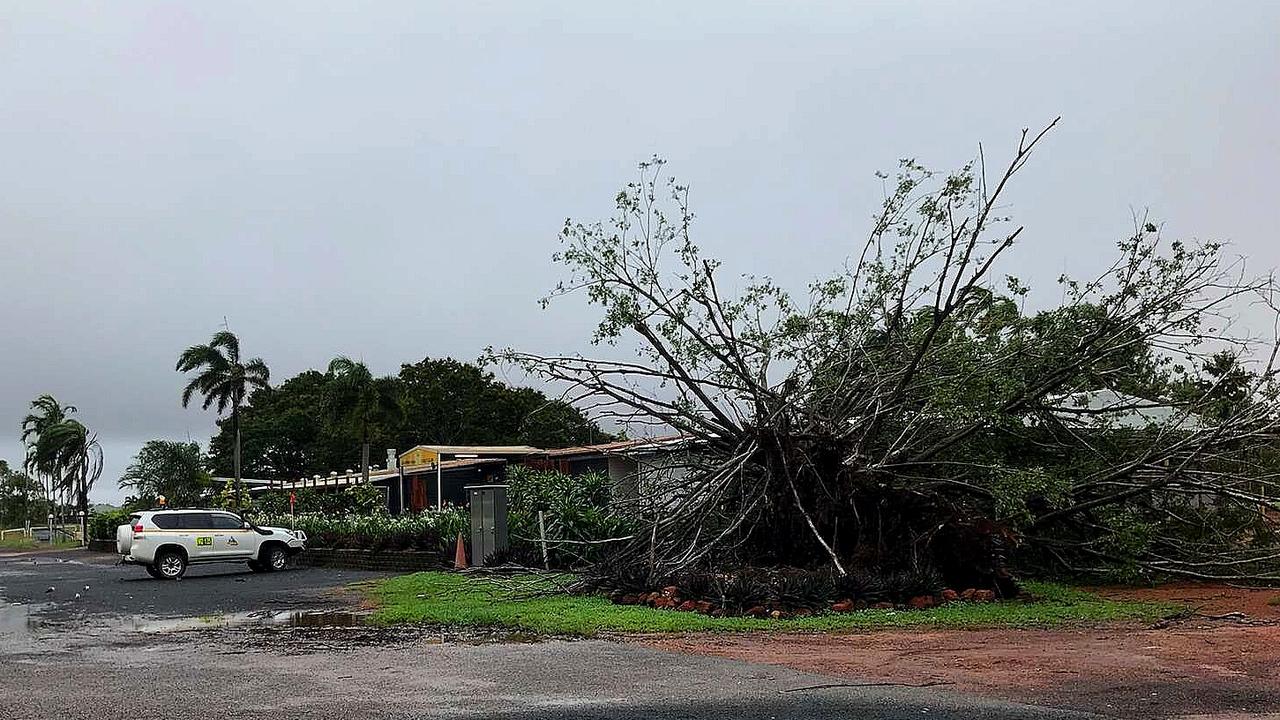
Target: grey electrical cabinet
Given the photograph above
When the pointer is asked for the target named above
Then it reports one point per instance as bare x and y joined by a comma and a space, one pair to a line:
488, 520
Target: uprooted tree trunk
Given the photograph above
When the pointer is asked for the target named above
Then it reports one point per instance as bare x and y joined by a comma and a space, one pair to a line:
909, 412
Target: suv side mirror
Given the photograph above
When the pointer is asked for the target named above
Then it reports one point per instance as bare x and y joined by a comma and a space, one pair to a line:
247, 526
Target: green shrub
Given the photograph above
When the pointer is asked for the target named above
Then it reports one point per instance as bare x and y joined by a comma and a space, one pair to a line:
430, 530
576, 510
917, 579
529, 490
102, 526
357, 499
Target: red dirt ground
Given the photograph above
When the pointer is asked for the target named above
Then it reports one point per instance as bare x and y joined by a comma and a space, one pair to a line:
1263, 604
1192, 667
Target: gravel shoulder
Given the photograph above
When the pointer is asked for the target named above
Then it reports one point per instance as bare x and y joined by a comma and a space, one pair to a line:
1189, 668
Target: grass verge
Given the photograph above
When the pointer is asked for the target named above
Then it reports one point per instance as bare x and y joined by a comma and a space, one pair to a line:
22, 543
472, 601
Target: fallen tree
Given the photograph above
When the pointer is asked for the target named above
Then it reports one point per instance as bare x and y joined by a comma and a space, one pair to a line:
909, 413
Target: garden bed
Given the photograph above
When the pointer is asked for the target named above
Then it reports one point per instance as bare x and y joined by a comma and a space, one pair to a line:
534, 604
385, 560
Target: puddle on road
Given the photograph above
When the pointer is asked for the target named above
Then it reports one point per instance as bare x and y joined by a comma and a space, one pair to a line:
256, 618
23, 630
16, 622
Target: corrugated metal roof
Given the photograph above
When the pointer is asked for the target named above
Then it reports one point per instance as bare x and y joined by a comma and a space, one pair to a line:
348, 479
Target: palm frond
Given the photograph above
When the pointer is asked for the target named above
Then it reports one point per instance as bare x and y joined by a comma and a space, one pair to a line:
222, 381
256, 373
227, 340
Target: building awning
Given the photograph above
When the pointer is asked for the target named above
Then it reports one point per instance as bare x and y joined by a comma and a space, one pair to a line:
430, 454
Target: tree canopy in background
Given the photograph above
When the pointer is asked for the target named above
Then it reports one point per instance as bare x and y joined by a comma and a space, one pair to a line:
290, 430
170, 468
22, 498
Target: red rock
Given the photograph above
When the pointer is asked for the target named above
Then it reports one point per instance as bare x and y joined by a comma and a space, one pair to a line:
949, 595
757, 611
663, 603
670, 591
967, 594
703, 606
717, 612
984, 596
779, 615
882, 606
842, 606
687, 606
922, 602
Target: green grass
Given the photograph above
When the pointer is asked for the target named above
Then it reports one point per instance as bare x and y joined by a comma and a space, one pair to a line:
461, 600
21, 543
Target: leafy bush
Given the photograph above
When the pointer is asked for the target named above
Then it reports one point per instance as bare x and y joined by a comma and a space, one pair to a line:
805, 588
917, 579
357, 499
530, 489
232, 496
430, 530
861, 584
576, 510
102, 526
742, 589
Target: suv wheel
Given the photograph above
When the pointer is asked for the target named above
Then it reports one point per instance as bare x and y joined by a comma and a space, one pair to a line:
153, 572
171, 565
274, 558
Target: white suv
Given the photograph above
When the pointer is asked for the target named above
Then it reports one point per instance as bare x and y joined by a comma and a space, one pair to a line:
167, 541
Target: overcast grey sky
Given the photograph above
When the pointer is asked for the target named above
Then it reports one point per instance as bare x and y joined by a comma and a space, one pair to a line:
386, 180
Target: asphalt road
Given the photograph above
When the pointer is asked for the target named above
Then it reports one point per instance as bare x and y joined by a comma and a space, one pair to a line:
62, 657
127, 590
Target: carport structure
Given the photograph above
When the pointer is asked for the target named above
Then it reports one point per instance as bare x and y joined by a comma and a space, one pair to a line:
433, 475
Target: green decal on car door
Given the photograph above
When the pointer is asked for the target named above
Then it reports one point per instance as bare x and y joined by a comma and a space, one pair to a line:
206, 540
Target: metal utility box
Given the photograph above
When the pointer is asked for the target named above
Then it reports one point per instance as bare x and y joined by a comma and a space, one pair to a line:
488, 520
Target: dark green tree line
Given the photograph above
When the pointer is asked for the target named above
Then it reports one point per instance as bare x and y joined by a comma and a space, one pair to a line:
317, 422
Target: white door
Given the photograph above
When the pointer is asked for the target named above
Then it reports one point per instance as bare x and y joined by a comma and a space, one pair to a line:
231, 539
196, 533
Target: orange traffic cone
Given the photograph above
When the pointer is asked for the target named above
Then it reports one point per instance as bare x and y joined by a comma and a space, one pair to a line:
460, 555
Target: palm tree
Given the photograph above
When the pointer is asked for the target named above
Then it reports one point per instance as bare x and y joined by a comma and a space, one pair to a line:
223, 380
358, 398
170, 468
46, 413
69, 450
